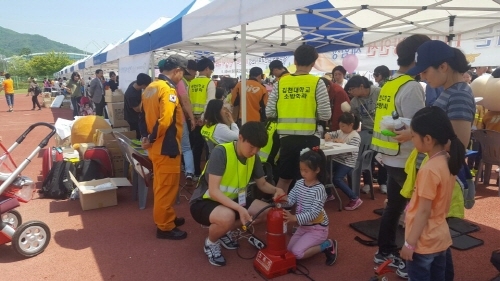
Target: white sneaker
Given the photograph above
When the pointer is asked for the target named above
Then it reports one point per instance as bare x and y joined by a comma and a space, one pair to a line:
365, 189
383, 188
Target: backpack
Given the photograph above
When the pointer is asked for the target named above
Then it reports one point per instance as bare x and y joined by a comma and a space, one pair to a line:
58, 184
103, 157
90, 169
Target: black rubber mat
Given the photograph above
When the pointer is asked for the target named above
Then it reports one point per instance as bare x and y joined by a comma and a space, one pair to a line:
379, 211
466, 242
462, 226
370, 229
454, 233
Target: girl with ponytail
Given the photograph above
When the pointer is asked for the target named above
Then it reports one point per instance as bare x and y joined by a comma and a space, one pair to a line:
427, 236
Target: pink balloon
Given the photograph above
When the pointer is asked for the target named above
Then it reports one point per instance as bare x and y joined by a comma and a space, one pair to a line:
350, 62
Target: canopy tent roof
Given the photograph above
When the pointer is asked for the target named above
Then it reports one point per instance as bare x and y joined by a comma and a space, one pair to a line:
327, 25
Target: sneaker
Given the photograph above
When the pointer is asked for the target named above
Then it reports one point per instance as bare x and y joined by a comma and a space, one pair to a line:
214, 254
330, 198
353, 204
365, 189
331, 253
383, 188
174, 234
380, 258
189, 177
402, 270
229, 242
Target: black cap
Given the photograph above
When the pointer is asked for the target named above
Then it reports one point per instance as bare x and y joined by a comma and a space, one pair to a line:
275, 64
256, 71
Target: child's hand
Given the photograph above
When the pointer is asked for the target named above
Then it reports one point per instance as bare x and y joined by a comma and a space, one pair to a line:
406, 254
338, 141
328, 137
289, 217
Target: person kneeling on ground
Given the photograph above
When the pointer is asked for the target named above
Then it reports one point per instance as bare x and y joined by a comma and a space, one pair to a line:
220, 198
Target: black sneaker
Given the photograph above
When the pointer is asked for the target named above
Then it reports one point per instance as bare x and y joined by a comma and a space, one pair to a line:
380, 258
229, 242
402, 270
174, 234
214, 254
179, 221
331, 253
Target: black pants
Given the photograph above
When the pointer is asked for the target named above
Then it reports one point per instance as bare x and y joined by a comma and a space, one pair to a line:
197, 145
75, 101
99, 107
381, 173
396, 204
134, 126
35, 101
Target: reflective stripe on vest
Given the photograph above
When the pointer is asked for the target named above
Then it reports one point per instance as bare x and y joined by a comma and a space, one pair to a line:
386, 104
296, 105
208, 133
198, 93
264, 152
236, 175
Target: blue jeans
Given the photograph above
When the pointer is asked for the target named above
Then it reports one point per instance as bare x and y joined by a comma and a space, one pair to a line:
75, 101
339, 172
187, 153
10, 99
427, 267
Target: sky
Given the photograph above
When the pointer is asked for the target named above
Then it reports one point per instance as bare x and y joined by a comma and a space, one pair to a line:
88, 25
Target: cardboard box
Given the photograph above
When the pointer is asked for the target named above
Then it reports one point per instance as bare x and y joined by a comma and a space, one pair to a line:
116, 96
92, 198
103, 136
116, 114
63, 142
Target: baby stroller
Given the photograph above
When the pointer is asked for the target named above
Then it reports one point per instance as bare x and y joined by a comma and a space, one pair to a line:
83, 111
31, 238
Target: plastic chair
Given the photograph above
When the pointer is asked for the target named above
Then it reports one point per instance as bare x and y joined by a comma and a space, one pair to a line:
355, 177
490, 146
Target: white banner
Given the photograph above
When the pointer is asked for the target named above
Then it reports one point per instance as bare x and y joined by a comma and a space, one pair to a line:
130, 67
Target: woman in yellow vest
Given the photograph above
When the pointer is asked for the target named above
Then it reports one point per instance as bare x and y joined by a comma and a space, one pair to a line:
220, 198
219, 125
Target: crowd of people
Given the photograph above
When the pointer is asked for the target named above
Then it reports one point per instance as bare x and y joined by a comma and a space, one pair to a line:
183, 112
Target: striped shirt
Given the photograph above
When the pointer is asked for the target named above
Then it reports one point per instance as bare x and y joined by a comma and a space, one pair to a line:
324, 112
310, 201
353, 138
458, 102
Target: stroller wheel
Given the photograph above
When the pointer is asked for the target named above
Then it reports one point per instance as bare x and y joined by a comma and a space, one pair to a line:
13, 218
31, 238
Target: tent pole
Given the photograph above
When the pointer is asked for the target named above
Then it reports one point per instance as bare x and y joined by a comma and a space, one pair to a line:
243, 57
152, 64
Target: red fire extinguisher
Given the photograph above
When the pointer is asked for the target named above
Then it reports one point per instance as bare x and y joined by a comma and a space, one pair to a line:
276, 231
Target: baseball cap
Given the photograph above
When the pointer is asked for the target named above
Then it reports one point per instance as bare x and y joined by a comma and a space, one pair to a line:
256, 71
174, 60
275, 64
430, 53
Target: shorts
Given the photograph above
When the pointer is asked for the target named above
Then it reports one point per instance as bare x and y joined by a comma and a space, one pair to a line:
290, 147
201, 210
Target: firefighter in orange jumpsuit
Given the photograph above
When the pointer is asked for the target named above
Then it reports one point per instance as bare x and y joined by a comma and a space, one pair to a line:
162, 118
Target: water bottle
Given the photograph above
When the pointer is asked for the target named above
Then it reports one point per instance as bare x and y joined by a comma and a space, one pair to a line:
398, 124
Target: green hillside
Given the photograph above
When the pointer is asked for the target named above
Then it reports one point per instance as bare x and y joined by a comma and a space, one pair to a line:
11, 43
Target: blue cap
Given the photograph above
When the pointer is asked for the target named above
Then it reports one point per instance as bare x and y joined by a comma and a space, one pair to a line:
430, 53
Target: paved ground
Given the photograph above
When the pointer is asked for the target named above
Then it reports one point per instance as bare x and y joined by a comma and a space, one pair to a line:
118, 243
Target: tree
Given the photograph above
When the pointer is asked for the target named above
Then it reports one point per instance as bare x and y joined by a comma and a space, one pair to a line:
48, 64
19, 66
25, 52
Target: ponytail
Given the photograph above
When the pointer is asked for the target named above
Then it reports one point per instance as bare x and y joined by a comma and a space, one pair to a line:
457, 155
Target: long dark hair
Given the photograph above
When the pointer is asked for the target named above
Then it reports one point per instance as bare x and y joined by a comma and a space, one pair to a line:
434, 122
212, 114
314, 159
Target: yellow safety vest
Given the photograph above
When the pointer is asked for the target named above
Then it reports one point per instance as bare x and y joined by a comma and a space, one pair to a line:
208, 133
296, 106
386, 104
198, 93
236, 176
264, 152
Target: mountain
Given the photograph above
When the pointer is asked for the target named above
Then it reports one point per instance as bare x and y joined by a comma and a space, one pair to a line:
11, 43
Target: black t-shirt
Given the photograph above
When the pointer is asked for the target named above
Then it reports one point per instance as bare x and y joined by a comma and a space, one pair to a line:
132, 99
112, 85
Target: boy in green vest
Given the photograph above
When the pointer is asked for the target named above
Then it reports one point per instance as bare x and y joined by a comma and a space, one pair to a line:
220, 199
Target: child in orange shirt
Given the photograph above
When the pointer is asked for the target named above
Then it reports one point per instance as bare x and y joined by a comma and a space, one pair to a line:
427, 236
